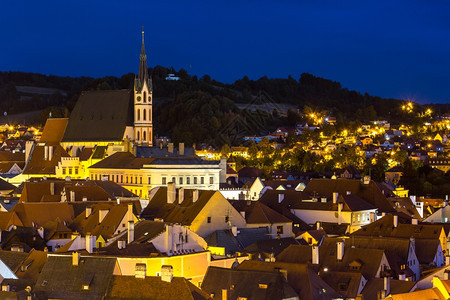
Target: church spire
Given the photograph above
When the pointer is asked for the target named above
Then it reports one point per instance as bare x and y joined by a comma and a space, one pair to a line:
143, 71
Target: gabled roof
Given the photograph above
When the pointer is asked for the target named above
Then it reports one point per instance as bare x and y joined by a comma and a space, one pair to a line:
152, 287
38, 165
9, 218
247, 283
37, 214
100, 116
369, 192
60, 279
306, 283
53, 131
250, 172
375, 285
13, 259
32, 265
182, 213
258, 213
268, 247
233, 244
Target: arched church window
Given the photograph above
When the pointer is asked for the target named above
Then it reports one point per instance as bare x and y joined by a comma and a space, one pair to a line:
150, 114
144, 112
138, 136
138, 114
145, 96
144, 136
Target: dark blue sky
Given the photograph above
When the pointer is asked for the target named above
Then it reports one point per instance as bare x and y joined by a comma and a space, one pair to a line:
398, 49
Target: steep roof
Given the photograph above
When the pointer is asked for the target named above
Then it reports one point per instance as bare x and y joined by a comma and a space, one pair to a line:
100, 116
53, 131
39, 213
38, 165
369, 192
258, 213
60, 279
306, 283
32, 265
247, 283
375, 285
152, 287
274, 246
182, 213
233, 244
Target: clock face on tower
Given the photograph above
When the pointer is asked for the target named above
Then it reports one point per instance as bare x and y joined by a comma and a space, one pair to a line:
138, 98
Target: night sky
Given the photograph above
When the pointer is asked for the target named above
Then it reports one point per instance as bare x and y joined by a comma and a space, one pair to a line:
398, 49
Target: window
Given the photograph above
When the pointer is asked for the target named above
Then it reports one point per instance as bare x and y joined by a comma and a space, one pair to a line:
149, 180
76, 170
64, 171
144, 135
188, 180
140, 180
163, 180
127, 179
150, 111
227, 219
173, 179
144, 117
121, 178
202, 180
195, 180
279, 229
211, 180
209, 219
138, 117
180, 181
70, 171
138, 136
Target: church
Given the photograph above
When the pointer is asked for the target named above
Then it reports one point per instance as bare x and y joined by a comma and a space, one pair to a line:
109, 136
122, 118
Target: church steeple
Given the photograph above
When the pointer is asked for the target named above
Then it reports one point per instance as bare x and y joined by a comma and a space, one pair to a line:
143, 71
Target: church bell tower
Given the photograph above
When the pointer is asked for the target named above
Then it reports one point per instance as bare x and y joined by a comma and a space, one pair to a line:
143, 96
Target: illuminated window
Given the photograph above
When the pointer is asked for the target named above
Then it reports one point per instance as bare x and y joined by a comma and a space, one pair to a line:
163, 180
279, 229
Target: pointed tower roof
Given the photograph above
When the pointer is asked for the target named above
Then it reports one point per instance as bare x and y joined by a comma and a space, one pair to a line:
143, 71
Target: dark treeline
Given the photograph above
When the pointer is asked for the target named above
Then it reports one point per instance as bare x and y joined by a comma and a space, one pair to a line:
197, 110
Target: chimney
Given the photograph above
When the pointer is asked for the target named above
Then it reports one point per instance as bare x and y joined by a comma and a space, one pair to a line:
318, 225
335, 197
168, 239
412, 242
402, 276
181, 149
395, 220
28, 147
446, 274
284, 272
72, 196
52, 188
180, 195
50, 152
130, 231
383, 214
88, 211
234, 230
140, 271
386, 286
223, 170
171, 192
340, 207
160, 145
166, 273
89, 243
170, 147
340, 250
45, 152
315, 254
41, 232
414, 221
280, 198
224, 294
75, 258
102, 214
195, 194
